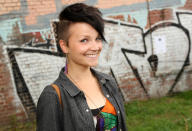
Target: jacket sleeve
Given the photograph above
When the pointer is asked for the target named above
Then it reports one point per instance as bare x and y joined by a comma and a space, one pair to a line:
48, 112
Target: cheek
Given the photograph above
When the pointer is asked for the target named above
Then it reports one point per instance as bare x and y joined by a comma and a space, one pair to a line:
101, 46
81, 49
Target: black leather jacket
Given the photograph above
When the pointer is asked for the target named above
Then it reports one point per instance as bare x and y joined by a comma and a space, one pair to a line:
75, 114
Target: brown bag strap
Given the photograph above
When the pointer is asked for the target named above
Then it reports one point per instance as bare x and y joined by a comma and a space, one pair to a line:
58, 93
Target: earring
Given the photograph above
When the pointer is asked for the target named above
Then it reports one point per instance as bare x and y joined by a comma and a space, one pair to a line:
66, 65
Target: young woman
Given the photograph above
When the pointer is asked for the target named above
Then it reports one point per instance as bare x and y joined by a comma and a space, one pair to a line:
90, 99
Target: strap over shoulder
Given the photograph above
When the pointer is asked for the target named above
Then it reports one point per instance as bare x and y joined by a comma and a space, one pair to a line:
58, 93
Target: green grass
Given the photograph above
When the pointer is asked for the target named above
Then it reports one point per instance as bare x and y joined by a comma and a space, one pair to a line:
173, 113
19, 126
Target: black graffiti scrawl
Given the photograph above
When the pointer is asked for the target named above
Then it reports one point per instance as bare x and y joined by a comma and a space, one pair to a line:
29, 86
168, 65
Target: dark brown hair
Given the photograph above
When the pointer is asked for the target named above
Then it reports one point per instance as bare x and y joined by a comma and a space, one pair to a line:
78, 12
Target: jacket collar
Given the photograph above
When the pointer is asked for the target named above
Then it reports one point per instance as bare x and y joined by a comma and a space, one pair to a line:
71, 88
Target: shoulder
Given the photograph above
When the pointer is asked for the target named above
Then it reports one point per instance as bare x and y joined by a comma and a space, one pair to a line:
48, 90
48, 94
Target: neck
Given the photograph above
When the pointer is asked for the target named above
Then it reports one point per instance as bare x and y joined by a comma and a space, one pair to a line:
79, 72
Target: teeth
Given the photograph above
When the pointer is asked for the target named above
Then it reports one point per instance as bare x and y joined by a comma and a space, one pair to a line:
91, 55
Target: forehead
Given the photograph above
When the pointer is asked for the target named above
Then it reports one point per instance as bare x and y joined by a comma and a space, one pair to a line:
82, 29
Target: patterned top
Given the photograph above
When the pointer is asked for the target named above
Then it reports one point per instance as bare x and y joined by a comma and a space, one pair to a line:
107, 118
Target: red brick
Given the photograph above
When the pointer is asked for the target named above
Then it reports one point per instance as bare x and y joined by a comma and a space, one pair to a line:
159, 15
118, 17
188, 5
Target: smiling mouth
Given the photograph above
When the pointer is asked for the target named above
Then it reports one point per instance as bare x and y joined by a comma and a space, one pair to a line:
91, 55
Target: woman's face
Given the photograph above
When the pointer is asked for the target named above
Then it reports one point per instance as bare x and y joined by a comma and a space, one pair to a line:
84, 45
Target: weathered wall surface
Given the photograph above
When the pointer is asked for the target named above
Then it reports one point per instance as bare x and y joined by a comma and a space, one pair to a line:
148, 50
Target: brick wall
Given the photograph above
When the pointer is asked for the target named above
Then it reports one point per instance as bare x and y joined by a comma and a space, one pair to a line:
148, 51
11, 105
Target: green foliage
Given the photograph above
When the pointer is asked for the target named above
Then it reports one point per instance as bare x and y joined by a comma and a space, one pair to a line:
172, 113
16, 125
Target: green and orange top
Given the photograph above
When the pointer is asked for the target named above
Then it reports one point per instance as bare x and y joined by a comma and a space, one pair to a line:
105, 117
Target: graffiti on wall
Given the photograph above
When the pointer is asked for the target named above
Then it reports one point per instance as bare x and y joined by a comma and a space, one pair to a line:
153, 71
11, 34
33, 69
39, 17
32, 26
151, 60
145, 61
159, 61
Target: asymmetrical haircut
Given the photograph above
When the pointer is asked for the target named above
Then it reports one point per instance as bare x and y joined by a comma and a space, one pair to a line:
78, 12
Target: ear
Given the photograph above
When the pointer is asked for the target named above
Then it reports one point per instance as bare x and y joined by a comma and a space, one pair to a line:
63, 46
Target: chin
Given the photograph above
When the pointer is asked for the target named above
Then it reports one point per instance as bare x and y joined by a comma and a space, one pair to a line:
88, 63
93, 64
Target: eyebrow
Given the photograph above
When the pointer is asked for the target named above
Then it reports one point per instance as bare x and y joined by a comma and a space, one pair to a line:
85, 35
89, 35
